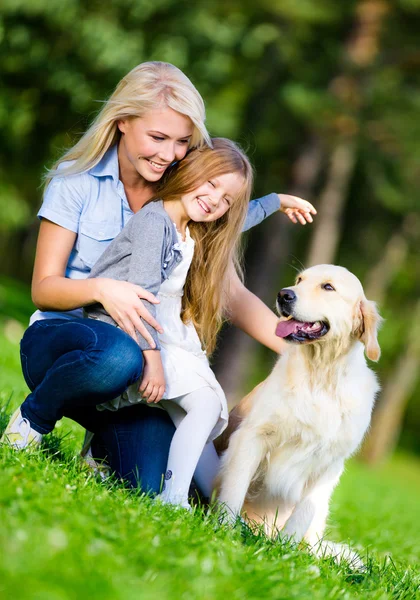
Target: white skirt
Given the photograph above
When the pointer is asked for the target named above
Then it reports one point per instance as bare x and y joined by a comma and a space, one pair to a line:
185, 364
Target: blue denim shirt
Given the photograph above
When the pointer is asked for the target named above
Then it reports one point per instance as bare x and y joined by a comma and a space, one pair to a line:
93, 204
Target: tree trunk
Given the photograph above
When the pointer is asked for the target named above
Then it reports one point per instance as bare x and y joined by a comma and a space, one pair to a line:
360, 51
389, 412
392, 259
326, 236
387, 418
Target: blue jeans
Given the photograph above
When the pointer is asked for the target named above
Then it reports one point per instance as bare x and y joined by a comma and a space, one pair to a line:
71, 366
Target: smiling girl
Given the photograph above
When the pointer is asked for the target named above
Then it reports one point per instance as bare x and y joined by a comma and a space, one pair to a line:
180, 248
71, 363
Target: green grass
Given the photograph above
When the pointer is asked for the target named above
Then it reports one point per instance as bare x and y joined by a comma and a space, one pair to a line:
64, 535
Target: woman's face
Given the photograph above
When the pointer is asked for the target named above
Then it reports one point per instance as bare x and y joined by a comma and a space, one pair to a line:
151, 143
213, 198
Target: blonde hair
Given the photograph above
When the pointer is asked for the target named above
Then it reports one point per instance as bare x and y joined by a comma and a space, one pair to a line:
148, 86
217, 243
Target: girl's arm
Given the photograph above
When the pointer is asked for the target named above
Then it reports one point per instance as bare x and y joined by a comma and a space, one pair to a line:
137, 255
249, 313
295, 208
152, 384
51, 290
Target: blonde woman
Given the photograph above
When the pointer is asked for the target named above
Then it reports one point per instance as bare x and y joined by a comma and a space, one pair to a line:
71, 364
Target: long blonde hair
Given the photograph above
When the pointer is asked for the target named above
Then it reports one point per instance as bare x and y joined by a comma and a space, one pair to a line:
148, 86
217, 243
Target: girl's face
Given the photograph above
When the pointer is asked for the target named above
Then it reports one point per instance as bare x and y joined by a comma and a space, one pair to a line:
151, 143
213, 198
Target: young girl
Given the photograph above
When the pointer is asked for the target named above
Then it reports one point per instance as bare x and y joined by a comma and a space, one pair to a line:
180, 248
72, 364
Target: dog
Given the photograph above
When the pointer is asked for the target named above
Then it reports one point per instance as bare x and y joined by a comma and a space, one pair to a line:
286, 442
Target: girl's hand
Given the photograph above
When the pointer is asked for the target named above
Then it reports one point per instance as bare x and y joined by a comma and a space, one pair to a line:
121, 300
152, 386
297, 209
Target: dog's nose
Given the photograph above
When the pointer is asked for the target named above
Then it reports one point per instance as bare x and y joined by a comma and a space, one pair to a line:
286, 297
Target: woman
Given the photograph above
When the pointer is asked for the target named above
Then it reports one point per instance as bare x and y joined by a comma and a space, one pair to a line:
154, 116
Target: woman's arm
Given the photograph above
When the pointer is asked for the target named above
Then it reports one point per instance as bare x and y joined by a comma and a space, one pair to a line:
51, 290
249, 313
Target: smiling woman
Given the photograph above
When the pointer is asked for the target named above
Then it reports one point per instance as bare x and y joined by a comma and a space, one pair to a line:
148, 146
73, 364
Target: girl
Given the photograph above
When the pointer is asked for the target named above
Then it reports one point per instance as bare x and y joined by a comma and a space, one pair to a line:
187, 239
72, 364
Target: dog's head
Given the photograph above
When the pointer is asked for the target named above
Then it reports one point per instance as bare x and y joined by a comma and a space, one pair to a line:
328, 303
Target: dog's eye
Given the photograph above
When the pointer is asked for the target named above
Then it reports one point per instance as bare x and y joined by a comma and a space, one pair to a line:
298, 280
328, 287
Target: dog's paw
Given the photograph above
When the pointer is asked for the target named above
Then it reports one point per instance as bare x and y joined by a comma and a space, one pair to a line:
284, 537
340, 553
228, 517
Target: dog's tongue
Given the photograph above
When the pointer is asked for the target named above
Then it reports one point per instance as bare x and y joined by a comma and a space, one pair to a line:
285, 328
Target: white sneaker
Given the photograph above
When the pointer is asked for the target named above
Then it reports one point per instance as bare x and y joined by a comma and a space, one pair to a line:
19, 433
97, 467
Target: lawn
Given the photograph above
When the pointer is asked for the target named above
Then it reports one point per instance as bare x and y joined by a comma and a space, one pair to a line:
65, 535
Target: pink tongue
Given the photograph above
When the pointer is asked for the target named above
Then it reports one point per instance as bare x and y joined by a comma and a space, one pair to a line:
285, 328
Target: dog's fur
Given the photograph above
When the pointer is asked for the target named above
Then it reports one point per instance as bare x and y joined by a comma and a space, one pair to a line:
288, 439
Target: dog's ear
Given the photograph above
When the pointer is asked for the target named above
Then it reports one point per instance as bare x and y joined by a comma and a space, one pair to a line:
367, 325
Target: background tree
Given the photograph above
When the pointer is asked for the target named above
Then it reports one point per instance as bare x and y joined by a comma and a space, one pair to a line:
324, 95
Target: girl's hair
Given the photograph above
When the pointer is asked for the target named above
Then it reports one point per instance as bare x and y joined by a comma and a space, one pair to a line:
217, 247
148, 86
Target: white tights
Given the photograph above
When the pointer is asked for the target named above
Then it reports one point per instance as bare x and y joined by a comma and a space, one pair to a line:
189, 453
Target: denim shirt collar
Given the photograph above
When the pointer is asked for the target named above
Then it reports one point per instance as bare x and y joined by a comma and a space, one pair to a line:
108, 165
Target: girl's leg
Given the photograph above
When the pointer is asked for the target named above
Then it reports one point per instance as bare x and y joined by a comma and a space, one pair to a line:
194, 425
71, 364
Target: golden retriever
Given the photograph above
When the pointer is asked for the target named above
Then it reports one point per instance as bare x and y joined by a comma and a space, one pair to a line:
287, 441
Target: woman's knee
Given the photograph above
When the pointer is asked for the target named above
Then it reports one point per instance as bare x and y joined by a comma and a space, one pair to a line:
127, 356
136, 441
118, 354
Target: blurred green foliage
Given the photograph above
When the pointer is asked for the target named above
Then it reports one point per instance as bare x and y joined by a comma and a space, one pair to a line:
275, 75
15, 300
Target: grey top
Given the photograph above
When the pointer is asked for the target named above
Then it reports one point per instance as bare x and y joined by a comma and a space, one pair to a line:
145, 253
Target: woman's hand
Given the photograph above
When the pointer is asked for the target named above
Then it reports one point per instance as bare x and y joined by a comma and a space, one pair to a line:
296, 209
121, 300
51, 290
152, 386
